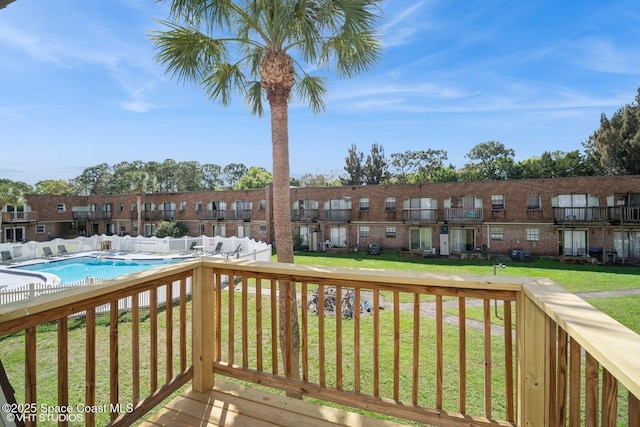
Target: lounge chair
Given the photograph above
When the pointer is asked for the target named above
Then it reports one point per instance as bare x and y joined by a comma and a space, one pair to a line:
217, 249
62, 250
6, 257
234, 253
46, 251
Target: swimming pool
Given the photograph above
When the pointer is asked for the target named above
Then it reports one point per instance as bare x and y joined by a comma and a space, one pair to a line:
77, 269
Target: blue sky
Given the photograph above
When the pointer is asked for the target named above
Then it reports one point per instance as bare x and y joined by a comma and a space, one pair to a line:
80, 87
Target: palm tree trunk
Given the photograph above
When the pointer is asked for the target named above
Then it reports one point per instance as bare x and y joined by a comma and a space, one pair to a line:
288, 323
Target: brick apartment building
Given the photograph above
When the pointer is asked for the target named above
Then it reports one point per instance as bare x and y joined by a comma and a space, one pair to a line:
550, 217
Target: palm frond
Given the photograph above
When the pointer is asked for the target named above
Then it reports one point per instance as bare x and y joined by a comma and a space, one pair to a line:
254, 98
223, 81
313, 90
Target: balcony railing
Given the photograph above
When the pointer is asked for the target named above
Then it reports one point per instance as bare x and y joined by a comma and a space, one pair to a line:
218, 215
463, 215
165, 215
558, 361
341, 215
580, 215
305, 215
420, 215
13, 217
625, 214
91, 215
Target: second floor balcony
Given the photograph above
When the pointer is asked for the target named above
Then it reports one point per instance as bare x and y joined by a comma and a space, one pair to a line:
338, 215
556, 361
464, 215
304, 215
577, 215
164, 215
91, 215
19, 217
420, 215
625, 214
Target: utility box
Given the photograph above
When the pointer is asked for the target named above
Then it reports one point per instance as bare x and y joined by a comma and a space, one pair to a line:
524, 256
374, 249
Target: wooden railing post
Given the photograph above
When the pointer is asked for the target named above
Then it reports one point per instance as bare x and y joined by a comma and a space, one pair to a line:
531, 364
202, 324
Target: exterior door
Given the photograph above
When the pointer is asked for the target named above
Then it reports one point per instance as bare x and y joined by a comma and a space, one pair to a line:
444, 244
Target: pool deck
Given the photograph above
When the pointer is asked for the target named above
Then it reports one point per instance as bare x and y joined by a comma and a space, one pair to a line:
10, 279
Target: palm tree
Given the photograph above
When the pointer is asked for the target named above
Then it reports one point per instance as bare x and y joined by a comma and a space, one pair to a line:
249, 48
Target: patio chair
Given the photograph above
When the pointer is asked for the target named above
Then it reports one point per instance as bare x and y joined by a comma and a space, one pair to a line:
6, 257
236, 252
46, 251
217, 249
62, 250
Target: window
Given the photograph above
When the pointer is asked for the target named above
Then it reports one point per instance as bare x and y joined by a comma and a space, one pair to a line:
183, 206
198, 206
364, 204
533, 201
62, 208
40, 229
390, 203
419, 239
262, 205
390, 232
533, 234
364, 231
497, 233
497, 201
120, 207
263, 229
201, 229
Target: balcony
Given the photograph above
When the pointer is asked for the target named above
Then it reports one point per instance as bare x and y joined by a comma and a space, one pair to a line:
580, 215
337, 215
166, 215
558, 361
304, 215
91, 215
420, 216
218, 215
625, 214
19, 217
463, 215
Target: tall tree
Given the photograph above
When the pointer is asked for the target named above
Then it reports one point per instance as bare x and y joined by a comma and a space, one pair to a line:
489, 160
54, 187
254, 178
94, 180
211, 176
354, 167
614, 149
248, 48
376, 167
233, 172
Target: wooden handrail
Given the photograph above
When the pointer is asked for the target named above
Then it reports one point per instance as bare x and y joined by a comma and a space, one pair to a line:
414, 367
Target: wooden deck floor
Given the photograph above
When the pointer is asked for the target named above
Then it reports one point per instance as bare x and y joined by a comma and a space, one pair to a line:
229, 404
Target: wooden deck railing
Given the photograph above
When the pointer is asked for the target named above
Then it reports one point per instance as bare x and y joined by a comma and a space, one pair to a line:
407, 358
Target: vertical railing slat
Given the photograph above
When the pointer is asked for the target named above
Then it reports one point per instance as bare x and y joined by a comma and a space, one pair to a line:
231, 336
245, 322
63, 365
356, 341
218, 317
135, 347
462, 354
114, 381
609, 399
439, 353
169, 333
274, 328
486, 310
321, 338
153, 339
90, 364
561, 394
396, 345
304, 298
338, 337
259, 324
592, 385
183, 324
575, 380
508, 361
552, 364
416, 349
634, 410
376, 343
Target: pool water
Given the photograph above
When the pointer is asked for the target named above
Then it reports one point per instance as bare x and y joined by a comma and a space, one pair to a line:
76, 269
